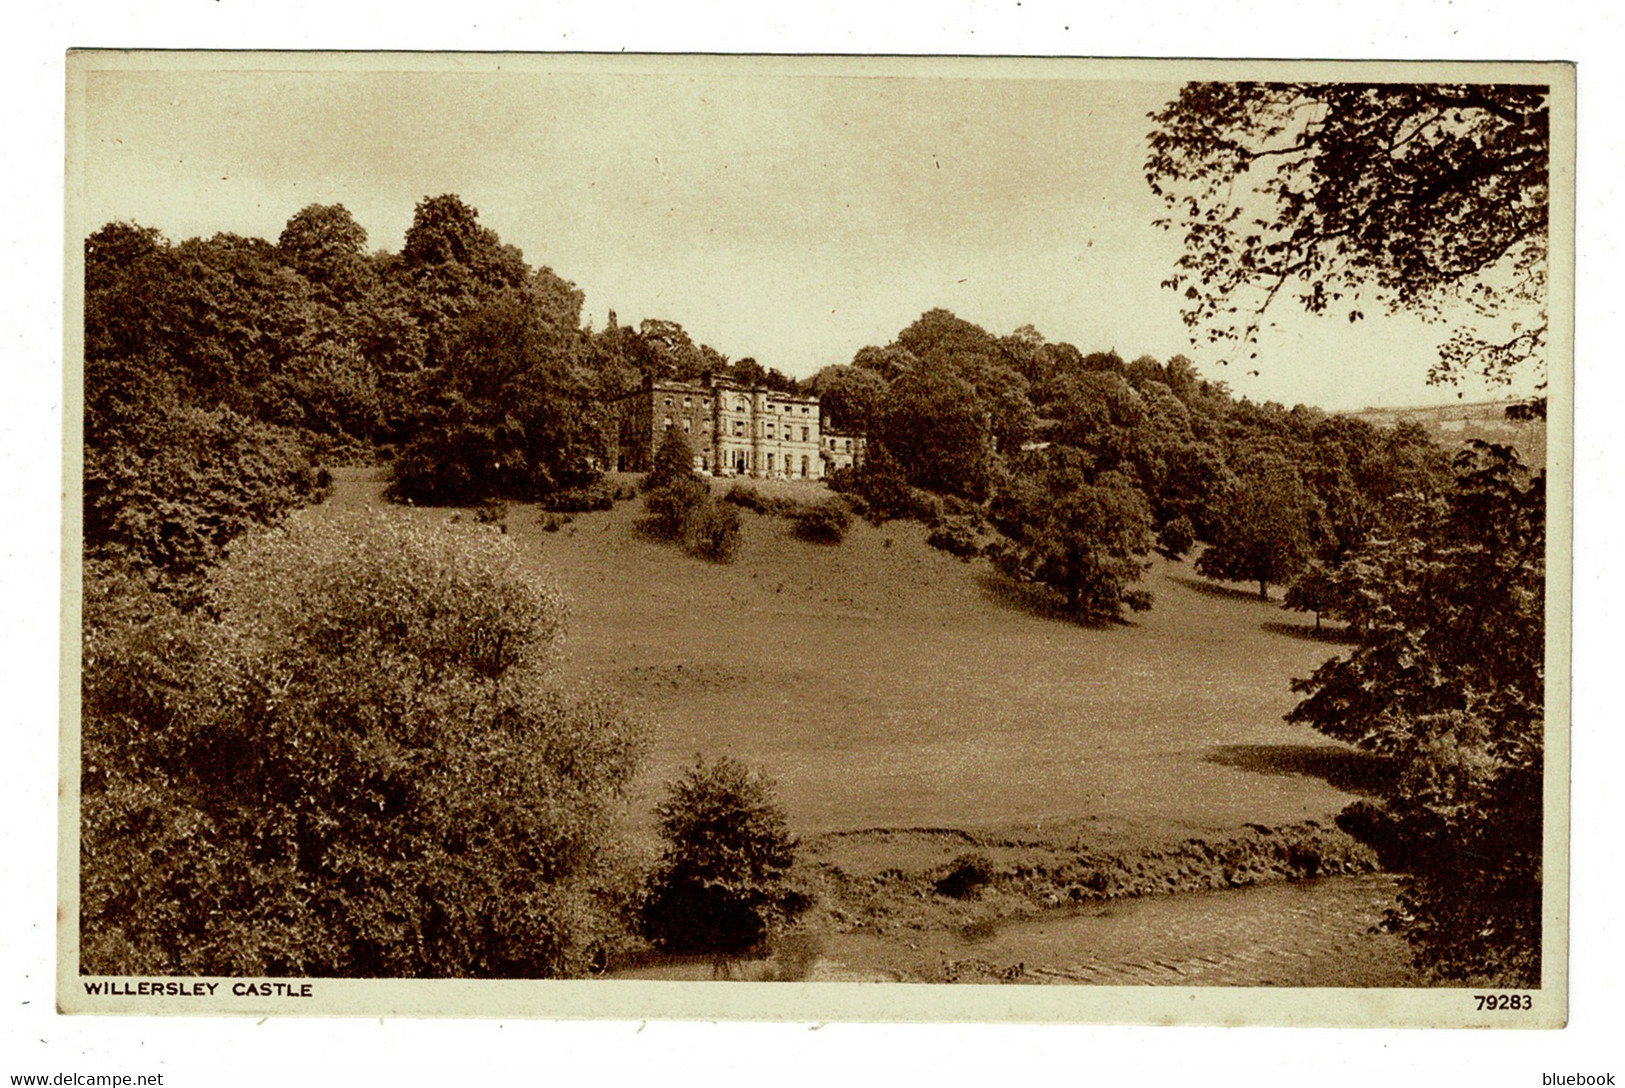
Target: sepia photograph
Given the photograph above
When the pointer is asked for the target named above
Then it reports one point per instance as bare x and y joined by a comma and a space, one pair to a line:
817, 537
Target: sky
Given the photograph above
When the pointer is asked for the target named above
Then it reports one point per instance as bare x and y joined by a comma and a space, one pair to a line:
784, 210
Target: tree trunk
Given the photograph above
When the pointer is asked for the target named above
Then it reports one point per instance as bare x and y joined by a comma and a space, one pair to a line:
1263, 590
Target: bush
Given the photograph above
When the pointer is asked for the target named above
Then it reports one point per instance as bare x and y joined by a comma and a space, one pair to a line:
683, 511
1176, 539
843, 480
768, 505
967, 875
492, 512
170, 490
712, 532
673, 507
752, 499
885, 492
673, 461
719, 886
957, 536
349, 766
597, 495
824, 523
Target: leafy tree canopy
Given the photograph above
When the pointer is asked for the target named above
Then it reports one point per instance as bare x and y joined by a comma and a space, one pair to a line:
1448, 679
931, 423
349, 766
1265, 531
1430, 198
1083, 535
719, 887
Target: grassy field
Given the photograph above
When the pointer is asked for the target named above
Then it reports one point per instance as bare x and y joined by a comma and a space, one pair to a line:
886, 685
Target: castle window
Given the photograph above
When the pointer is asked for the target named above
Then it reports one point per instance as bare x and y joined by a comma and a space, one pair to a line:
686, 426
668, 423
668, 402
804, 436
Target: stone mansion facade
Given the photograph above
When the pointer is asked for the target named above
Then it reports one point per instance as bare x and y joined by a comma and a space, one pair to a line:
733, 430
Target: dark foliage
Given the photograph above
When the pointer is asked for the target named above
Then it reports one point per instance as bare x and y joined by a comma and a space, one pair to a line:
1083, 537
347, 766
933, 429
580, 500
713, 532
167, 488
957, 536
966, 876
673, 460
1265, 524
1448, 678
719, 887
683, 511
824, 523
673, 507
1419, 195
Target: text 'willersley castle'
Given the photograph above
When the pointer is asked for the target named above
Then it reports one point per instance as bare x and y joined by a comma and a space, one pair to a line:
733, 430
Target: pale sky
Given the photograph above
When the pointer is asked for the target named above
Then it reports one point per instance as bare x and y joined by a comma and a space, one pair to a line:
792, 216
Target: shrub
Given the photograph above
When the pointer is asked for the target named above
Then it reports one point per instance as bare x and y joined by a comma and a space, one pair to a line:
673, 461
597, 495
683, 511
824, 523
1177, 538
748, 497
719, 886
712, 532
885, 492
350, 766
492, 512
956, 536
673, 507
769, 505
843, 480
170, 490
968, 874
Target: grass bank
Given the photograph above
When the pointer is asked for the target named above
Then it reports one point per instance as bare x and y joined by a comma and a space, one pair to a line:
914, 707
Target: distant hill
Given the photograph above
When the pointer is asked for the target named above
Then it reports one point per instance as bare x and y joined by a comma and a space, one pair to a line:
1453, 425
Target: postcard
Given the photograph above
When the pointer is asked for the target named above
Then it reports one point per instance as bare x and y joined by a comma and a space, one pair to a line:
813, 537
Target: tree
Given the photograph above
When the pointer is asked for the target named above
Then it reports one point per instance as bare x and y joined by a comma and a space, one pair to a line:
1447, 679
673, 460
1084, 536
509, 415
325, 244
1265, 526
168, 488
850, 397
720, 884
447, 231
931, 425
1429, 198
350, 765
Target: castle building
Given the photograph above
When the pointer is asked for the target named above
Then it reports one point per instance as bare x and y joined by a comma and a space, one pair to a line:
733, 430
841, 450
